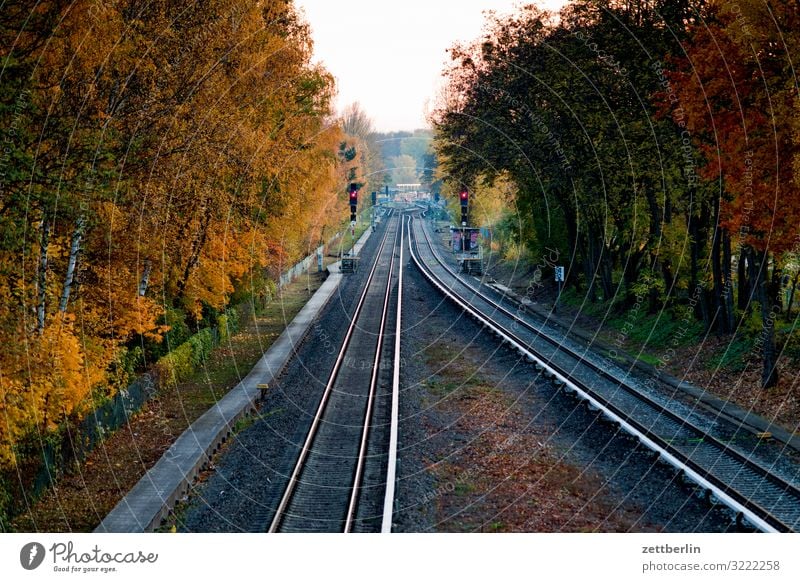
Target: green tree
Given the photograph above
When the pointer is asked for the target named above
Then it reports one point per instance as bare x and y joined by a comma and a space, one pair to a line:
404, 169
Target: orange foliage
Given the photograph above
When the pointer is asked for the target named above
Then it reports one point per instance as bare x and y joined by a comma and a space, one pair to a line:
166, 154
47, 380
736, 99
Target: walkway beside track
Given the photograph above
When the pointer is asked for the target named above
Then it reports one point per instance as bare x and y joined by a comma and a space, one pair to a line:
156, 493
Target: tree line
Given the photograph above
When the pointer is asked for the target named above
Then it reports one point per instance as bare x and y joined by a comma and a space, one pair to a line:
653, 143
159, 160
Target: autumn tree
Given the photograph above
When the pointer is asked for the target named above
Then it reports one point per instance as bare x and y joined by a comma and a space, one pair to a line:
737, 90
162, 158
654, 143
564, 108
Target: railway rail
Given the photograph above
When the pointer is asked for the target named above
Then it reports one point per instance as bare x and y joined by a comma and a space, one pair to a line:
755, 493
343, 479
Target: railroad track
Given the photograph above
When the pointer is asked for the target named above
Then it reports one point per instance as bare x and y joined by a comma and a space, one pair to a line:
343, 479
754, 492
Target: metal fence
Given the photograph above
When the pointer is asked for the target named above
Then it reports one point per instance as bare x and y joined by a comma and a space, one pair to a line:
301, 268
54, 457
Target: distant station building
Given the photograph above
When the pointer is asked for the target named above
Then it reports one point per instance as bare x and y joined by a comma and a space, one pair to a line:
408, 192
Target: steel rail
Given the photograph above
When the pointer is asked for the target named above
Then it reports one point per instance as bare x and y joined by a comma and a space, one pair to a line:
293, 479
373, 385
391, 469
764, 472
743, 506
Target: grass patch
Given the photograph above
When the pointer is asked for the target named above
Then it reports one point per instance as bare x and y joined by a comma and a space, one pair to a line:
442, 388
671, 328
79, 500
600, 309
464, 488
666, 330
345, 243
648, 359
734, 358
244, 423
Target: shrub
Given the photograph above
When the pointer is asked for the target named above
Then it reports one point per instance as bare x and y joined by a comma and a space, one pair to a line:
175, 366
181, 362
124, 367
201, 345
228, 324
5, 505
178, 333
224, 330
256, 288
789, 342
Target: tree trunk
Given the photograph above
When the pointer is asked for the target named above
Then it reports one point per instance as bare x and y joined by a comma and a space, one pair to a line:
656, 217
654, 241
606, 278
791, 296
706, 308
145, 279
198, 242
571, 223
589, 269
694, 253
730, 322
743, 295
630, 274
765, 289
666, 264
669, 278
719, 317
74, 248
698, 232
716, 268
41, 279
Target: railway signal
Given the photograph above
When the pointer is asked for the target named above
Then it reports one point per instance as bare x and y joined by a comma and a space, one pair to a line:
559, 273
464, 199
353, 201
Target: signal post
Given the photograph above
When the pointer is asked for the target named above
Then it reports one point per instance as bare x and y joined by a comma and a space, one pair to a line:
349, 263
465, 240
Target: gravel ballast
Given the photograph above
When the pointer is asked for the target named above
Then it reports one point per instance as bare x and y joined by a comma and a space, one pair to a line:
488, 445
485, 444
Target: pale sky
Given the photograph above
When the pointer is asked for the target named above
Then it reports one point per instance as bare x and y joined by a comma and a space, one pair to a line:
388, 54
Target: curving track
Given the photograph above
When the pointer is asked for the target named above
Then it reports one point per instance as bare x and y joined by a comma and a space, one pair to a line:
755, 492
339, 482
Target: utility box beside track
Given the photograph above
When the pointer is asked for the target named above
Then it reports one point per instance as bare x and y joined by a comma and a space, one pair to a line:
349, 264
465, 242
